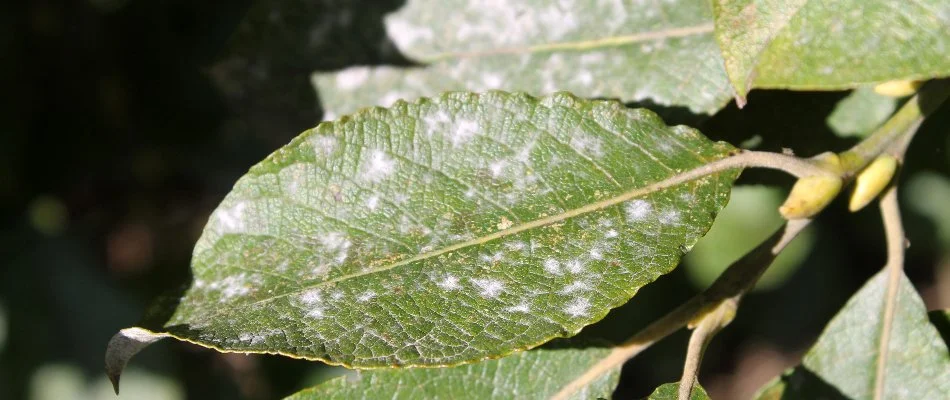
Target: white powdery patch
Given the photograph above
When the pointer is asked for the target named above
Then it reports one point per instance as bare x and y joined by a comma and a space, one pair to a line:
366, 296
372, 202
552, 266
316, 312
449, 282
231, 220
670, 217
336, 242
574, 266
251, 338
492, 258
405, 34
522, 307
578, 307
596, 253
351, 78
515, 246
638, 210
492, 81
611, 234
232, 286
463, 132
586, 144
489, 288
497, 168
311, 297
378, 167
575, 287
323, 146
584, 77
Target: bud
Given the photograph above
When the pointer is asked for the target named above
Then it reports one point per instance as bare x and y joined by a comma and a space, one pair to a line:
810, 195
897, 88
871, 181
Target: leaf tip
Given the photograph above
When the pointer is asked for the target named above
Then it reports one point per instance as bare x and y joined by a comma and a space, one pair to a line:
123, 345
740, 101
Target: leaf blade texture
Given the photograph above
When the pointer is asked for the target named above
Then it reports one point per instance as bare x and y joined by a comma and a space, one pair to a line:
843, 362
808, 45
448, 230
659, 52
536, 374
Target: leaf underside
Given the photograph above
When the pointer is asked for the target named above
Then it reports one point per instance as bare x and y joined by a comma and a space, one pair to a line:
801, 44
448, 230
537, 374
662, 52
844, 361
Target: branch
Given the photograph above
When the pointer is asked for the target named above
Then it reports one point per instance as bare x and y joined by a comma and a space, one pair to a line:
737, 279
708, 326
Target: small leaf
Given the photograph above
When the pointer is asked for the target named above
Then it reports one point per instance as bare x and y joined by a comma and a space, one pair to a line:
381, 240
860, 113
670, 391
844, 361
536, 374
663, 52
808, 45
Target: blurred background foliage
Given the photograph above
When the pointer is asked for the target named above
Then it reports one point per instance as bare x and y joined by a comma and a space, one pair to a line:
124, 123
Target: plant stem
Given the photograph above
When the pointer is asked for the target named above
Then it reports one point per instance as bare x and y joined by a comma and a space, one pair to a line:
738, 278
708, 326
894, 232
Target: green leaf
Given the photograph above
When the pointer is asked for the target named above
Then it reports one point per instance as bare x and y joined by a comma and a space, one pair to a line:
446, 231
662, 52
861, 112
801, 44
845, 360
670, 391
536, 374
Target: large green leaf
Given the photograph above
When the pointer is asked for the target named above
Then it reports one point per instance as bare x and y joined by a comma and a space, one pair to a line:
845, 360
447, 230
825, 44
662, 52
536, 374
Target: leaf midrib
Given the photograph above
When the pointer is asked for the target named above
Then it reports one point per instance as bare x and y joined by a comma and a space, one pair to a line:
580, 45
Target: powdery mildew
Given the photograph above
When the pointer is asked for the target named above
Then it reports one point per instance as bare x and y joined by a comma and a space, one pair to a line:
488, 288
378, 167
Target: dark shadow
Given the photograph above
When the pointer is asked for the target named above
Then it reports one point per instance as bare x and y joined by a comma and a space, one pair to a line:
800, 383
774, 120
941, 320
672, 115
